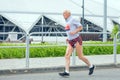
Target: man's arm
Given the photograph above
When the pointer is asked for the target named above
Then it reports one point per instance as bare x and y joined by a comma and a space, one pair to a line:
77, 30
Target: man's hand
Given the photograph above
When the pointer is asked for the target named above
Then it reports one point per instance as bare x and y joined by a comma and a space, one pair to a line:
72, 33
66, 40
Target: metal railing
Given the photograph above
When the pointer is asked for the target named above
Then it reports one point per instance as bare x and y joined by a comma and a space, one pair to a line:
47, 46
73, 54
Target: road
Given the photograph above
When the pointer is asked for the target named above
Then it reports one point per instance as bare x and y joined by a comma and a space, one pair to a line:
99, 74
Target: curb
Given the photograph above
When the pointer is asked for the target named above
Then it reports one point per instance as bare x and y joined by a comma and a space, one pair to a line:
53, 69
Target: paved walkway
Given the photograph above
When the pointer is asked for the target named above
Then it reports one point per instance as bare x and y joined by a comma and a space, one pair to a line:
8, 64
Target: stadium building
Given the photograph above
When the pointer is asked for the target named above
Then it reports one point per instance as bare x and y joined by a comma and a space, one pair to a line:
30, 16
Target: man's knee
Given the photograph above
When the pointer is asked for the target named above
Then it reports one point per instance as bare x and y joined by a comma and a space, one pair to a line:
81, 57
67, 56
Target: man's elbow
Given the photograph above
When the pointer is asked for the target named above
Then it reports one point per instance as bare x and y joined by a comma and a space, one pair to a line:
80, 28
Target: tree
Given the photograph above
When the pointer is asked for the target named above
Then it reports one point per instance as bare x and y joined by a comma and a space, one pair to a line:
114, 30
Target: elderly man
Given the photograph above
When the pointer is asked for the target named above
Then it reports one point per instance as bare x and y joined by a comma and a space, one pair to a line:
74, 40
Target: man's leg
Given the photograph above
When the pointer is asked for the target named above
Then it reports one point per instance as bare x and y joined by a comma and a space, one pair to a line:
81, 55
67, 57
67, 60
83, 58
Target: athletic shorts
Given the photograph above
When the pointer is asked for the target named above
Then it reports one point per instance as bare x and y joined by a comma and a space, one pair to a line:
74, 41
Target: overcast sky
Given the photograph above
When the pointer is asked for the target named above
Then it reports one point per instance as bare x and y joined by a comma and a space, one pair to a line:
112, 3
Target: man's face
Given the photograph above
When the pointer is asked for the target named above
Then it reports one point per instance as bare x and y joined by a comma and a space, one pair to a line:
66, 15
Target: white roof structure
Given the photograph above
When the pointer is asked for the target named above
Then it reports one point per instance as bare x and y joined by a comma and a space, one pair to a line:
26, 13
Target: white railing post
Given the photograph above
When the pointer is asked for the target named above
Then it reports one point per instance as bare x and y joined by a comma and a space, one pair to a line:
27, 50
115, 50
74, 57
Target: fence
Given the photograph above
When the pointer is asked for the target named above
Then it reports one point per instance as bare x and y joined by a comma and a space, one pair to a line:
47, 46
73, 54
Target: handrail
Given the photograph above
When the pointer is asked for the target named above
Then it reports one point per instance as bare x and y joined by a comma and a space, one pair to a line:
27, 45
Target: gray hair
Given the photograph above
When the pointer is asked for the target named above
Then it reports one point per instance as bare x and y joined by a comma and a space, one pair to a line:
67, 12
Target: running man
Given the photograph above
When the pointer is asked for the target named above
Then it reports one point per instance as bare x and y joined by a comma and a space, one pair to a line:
74, 41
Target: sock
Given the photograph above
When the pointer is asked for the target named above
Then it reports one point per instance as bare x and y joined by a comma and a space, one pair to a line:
66, 71
91, 66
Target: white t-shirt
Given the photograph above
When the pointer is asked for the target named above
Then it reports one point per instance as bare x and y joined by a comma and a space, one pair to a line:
71, 25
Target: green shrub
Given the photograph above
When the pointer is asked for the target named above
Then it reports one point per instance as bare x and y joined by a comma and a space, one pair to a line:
12, 53
55, 51
47, 52
98, 50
